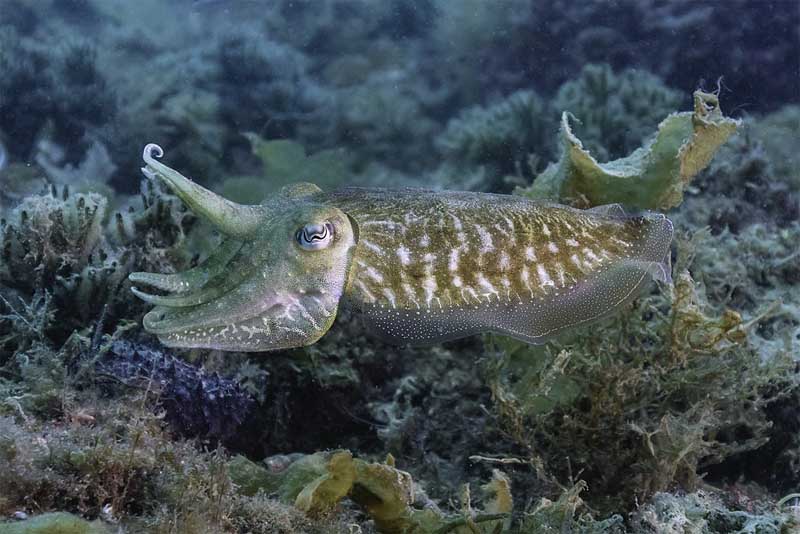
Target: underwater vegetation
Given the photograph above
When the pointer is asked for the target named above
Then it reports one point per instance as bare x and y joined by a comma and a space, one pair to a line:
679, 412
651, 177
68, 253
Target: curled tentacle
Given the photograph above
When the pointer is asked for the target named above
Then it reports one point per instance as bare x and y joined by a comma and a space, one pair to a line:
236, 220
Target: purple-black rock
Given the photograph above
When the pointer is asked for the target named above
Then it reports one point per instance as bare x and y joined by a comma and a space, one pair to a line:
197, 403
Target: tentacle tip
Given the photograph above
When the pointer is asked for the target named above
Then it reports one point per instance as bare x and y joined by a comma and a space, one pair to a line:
148, 173
151, 319
138, 292
147, 297
152, 150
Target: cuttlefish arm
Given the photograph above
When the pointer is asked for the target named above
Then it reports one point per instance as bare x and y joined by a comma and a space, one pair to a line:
193, 278
275, 282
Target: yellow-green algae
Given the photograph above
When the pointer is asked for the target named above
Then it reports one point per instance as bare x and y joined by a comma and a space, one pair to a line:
653, 176
317, 483
286, 162
55, 523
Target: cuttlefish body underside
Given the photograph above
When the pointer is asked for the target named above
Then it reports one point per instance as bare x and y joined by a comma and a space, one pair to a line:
419, 266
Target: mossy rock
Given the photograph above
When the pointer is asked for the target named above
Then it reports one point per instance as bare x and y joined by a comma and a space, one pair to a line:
54, 523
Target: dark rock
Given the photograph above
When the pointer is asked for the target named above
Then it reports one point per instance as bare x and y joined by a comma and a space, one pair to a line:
197, 403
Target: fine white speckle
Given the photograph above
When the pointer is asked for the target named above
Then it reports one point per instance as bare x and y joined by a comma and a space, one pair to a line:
485, 285
369, 296
590, 254
429, 286
526, 280
411, 295
560, 274
389, 294
372, 246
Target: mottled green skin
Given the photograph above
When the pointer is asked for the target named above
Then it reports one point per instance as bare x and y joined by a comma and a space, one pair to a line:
434, 265
419, 266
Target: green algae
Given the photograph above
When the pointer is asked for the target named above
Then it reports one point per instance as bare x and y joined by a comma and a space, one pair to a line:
55, 523
288, 477
317, 483
321, 495
653, 176
285, 162
615, 112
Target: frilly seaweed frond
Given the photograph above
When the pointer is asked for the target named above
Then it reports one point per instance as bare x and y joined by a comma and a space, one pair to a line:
615, 112
651, 177
318, 483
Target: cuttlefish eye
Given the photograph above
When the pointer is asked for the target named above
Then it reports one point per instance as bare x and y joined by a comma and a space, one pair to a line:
315, 236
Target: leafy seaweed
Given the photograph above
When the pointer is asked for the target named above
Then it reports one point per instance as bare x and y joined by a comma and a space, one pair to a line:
653, 176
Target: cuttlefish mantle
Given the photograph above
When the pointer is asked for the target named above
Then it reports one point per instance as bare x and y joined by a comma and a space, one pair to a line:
418, 266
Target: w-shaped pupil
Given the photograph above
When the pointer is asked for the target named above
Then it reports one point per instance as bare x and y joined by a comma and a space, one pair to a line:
315, 234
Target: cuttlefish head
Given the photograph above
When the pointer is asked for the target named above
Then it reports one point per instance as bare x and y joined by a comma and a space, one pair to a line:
275, 281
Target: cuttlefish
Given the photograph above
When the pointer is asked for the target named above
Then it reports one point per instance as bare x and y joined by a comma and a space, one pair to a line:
419, 266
